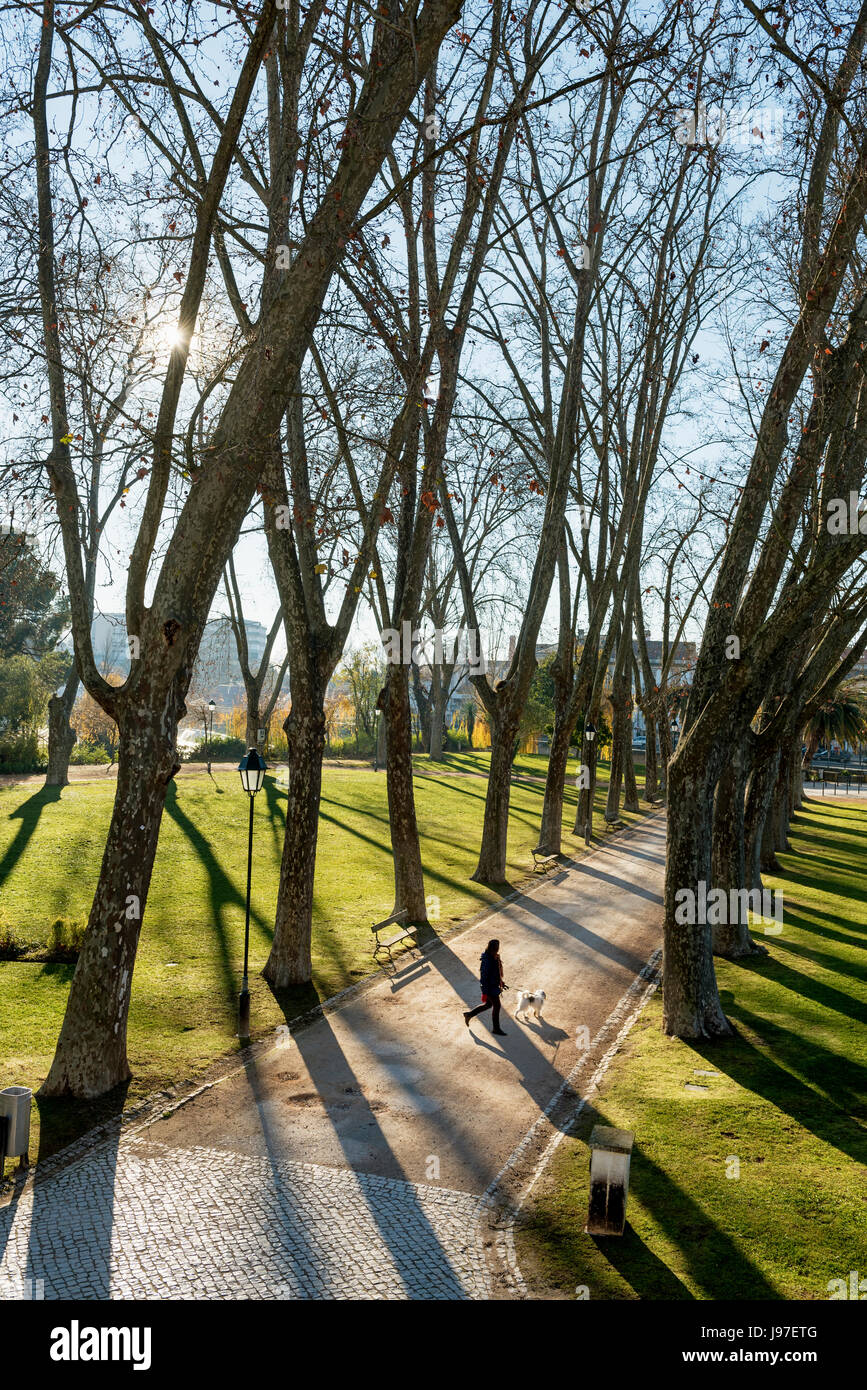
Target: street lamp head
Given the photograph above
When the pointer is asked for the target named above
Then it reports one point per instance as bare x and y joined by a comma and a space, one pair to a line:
252, 768
589, 732
211, 706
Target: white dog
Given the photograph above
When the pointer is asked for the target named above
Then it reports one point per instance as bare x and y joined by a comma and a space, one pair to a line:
530, 999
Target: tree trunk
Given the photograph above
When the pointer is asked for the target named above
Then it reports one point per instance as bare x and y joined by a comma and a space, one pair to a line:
780, 804
91, 1053
796, 797
587, 795
691, 1002
732, 939
615, 780
380, 758
437, 719
551, 830
405, 849
759, 796
251, 733
630, 796
768, 853
664, 755
491, 867
422, 704
290, 962
650, 774
61, 735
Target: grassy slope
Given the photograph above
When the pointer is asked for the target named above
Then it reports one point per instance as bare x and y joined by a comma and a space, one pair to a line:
187, 975
790, 1105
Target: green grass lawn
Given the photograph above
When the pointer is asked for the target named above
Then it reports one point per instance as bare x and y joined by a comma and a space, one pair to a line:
183, 1010
787, 1112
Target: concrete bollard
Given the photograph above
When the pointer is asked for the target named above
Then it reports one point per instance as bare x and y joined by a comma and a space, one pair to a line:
610, 1152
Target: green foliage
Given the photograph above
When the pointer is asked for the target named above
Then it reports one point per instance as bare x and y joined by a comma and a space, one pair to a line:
65, 939
364, 673
471, 722
33, 614
10, 946
89, 755
538, 715
20, 753
222, 750
25, 687
842, 718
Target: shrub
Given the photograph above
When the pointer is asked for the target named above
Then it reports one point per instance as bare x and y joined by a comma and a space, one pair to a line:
65, 939
10, 947
223, 750
20, 753
89, 753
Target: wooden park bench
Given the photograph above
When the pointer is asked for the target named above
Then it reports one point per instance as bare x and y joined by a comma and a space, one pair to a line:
396, 919
543, 862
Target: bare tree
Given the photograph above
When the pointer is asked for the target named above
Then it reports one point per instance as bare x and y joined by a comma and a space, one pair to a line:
91, 1053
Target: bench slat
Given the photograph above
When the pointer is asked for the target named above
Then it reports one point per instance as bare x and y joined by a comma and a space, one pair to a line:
387, 921
401, 936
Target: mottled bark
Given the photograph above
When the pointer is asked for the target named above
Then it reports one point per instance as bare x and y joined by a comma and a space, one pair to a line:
731, 939
251, 731
615, 779
437, 719
796, 788
630, 785
551, 829
664, 755
408, 876
780, 812
587, 795
422, 704
61, 735
691, 1003
491, 867
651, 785
759, 796
91, 1053
290, 962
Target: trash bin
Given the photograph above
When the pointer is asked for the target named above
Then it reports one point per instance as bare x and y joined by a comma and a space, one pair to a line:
15, 1105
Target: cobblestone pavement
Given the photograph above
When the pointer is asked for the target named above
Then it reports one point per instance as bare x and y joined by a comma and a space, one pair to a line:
149, 1221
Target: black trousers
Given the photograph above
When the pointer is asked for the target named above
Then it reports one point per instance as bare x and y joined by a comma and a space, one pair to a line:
493, 1003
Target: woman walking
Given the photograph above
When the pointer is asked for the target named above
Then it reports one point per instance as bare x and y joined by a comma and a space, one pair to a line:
491, 976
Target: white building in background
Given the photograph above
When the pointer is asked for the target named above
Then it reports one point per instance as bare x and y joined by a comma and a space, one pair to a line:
110, 646
218, 651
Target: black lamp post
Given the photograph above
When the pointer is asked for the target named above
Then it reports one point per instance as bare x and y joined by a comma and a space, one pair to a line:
252, 769
209, 732
590, 735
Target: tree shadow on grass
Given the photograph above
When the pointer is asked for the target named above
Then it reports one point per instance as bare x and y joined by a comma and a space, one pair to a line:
274, 796
827, 1108
821, 930
503, 889
855, 970
715, 1261
806, 986
226, 896
28, 813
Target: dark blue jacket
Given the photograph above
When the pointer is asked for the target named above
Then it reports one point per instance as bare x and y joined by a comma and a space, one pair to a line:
490, 975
